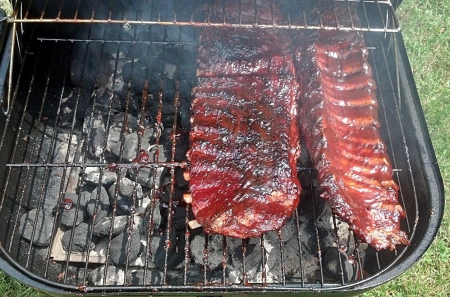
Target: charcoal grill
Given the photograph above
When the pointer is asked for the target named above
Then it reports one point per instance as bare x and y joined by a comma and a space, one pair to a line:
70, 60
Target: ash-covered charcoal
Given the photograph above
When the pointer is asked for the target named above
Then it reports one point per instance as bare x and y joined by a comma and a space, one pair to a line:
344, 237
115, 132
125, 246
130, 101
73, 105
152, 277
101, 247
291, 260
42, 228
181, 143
135, 75
50, 181
106, 99
73, 208
103, 227
147, 138
151, 227
148, 176
82, 240
175, 252
107, 179
152, 219
195, 275
338, 264
289, 230
98, 206
307, 225
127, 196
212, 255
114, 276
95, 130
310, 266
252, 259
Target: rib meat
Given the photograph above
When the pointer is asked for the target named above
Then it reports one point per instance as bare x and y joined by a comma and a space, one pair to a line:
339, 119
244, 135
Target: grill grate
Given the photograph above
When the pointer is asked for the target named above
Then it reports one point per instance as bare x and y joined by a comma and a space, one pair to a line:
198, 13
37, 172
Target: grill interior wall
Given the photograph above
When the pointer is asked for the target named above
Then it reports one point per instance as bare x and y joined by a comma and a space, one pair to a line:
45, 80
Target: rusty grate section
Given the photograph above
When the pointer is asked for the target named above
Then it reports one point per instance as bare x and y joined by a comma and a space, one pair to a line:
198, 14
52, 146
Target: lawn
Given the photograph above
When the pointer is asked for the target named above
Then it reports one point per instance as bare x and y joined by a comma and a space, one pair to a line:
426, 30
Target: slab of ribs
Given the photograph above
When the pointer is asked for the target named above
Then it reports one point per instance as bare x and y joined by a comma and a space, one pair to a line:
245, 136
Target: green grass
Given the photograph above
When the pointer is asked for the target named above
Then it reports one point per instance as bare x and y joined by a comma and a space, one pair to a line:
10, 287
426, 30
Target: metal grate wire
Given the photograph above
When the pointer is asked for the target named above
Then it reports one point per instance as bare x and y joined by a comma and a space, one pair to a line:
198, 13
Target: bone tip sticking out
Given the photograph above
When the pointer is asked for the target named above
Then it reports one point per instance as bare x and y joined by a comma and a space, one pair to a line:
187, 198
194, 224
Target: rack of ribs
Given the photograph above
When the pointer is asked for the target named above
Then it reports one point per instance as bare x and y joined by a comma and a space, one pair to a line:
244, 138
339, 120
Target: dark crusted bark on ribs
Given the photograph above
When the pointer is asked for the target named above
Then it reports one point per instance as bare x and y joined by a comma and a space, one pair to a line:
244, 136
339, 120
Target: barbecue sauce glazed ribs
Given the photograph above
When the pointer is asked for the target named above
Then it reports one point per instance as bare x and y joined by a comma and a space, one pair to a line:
244, 139
339, 120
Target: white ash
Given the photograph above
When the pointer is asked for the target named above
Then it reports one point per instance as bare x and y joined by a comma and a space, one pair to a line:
103, 227
149, 176
116, 132
53, 184
336, 261
95, 131
195, 275
131, 144
126, 195
114, 276
125, 247
152, 277
98, 206
93, 177
169, 70
212, 255
101, 247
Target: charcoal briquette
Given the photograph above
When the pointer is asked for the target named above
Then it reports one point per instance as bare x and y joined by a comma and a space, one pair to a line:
115, 276
128, 194
82, 240
42, 228
337, 264
99, 205
76, 213
107, 179
175, 250
123, 247
153, 277
106, 225
195, 275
